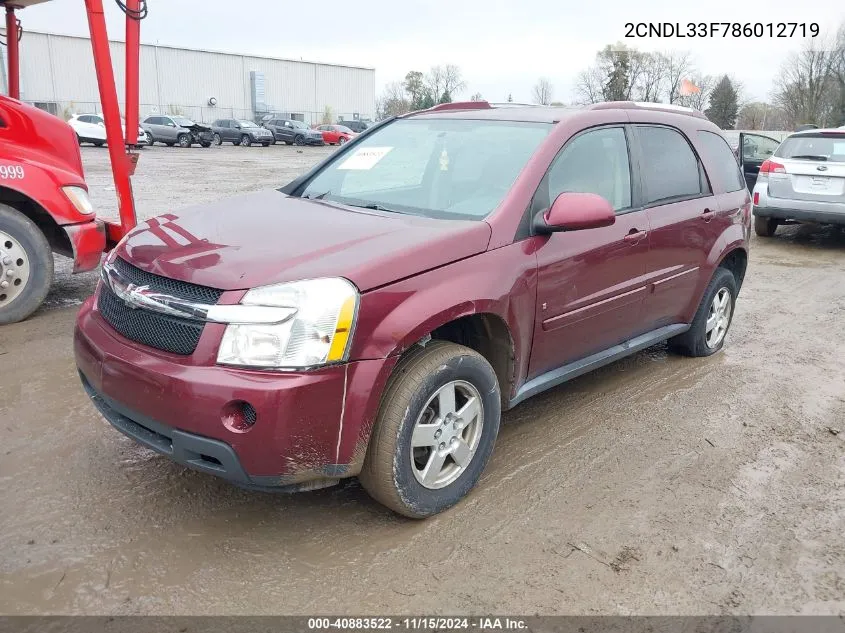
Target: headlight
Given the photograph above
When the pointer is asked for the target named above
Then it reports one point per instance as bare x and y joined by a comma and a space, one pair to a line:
319, 332
79, 198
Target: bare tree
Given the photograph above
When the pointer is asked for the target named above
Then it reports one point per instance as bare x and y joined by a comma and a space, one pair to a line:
652, 77
392, 101
700, 99
588, 86
444, 80
677, 66
542, 92
476, 97
807, 86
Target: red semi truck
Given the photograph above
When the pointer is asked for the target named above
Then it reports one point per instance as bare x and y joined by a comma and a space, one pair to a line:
44, 204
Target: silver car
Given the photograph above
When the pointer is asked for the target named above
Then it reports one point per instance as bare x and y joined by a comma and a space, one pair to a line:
802, 181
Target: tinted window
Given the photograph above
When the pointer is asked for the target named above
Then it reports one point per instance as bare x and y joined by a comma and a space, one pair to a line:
721, 159
85, 118
594, 162
670, 167
151, 120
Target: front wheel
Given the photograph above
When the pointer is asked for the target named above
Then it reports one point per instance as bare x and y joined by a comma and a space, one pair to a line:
765, 227
26, 266
218, 140
299, 140
341, 140
184, 140
435, 430
710, 324
245, 141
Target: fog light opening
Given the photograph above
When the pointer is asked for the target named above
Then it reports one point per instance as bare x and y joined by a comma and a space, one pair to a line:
239, 416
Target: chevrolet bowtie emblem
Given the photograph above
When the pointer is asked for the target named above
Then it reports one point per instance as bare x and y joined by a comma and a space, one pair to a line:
131, 294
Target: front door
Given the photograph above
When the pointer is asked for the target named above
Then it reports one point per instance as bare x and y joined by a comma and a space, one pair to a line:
753, 150
591, 283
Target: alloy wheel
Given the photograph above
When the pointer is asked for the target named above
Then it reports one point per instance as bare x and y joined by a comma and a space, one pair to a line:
718, 318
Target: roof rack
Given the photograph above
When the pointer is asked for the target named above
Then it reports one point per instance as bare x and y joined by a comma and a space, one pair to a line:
460, 105
643, 105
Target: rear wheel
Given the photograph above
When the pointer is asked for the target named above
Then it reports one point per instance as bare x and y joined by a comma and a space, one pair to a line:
149, 138
435, 430
765, 227
26, 266
218, 140
710, 324
184, 140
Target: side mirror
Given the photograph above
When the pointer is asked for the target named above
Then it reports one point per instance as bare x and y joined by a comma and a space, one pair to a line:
575, 212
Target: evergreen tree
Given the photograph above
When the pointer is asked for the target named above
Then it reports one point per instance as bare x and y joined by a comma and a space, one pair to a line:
724, 107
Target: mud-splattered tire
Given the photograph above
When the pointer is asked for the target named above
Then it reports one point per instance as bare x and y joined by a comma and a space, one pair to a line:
765, 227
392, 472
700, 340
22, 244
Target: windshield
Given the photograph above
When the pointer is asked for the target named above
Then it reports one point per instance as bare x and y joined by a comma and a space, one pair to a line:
441, 168
824, 146
182, 121
247, 124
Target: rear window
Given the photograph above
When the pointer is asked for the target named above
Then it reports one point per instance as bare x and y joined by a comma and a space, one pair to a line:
823, 146
721, 160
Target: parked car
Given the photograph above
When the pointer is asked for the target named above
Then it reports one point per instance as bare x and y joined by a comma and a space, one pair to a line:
293, 132
240, 132
802, 181
374, 317
176, 130
91, 128
357, 126
336, 134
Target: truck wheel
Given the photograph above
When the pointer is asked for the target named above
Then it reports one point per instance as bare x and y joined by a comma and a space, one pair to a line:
765, 227
710, 324
184, 140
26, 266
435, 430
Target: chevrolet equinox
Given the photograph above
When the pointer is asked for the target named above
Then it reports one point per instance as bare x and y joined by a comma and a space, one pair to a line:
374, 317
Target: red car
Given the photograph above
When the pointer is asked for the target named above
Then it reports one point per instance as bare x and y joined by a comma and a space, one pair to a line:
374, 317
336, 134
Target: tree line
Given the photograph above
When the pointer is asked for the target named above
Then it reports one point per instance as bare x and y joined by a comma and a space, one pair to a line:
809, 88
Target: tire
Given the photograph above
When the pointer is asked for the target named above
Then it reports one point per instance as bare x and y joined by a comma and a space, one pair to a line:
98, 143
79, 139
184, 140
299, 140
695, 341
245, 141
341, 140
150, 140
393, 472
25, 247
217, 139
765, 227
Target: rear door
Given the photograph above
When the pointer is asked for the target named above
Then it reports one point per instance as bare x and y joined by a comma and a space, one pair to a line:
685, 221
753, 150
591, 283
813, 169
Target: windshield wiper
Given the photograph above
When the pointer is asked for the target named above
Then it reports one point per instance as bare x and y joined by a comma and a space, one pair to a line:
809, 157
318, 196
374, 207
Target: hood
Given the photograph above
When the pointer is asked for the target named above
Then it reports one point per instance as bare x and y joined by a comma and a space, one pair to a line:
269, 237
196, 127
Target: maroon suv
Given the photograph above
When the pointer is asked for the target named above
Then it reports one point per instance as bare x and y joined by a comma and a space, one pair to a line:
374, 317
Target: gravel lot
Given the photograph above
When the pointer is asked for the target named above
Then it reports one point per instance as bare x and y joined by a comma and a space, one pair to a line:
657, 485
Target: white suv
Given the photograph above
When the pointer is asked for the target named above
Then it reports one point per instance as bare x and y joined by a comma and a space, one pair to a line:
91, 128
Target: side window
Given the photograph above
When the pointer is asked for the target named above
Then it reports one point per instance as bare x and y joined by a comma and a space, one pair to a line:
670, 167
86, 118
594, 162
722, 160
155, 120
758, 148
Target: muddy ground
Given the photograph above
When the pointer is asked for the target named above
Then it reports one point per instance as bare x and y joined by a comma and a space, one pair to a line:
657, 485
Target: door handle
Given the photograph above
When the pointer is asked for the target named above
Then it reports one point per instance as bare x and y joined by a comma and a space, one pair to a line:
708, 215
634, 236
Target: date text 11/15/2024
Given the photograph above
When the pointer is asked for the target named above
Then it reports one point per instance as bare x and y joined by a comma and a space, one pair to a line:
722, 29
419, 623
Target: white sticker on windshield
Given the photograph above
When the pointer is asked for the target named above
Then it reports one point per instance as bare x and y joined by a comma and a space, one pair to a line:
365, 158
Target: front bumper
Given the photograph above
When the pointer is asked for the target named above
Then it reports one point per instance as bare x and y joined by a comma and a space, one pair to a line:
87, 241
310, 427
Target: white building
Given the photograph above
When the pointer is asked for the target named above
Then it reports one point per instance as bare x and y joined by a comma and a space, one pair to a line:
57, 74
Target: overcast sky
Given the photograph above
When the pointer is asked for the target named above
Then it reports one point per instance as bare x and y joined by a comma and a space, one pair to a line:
501, 46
